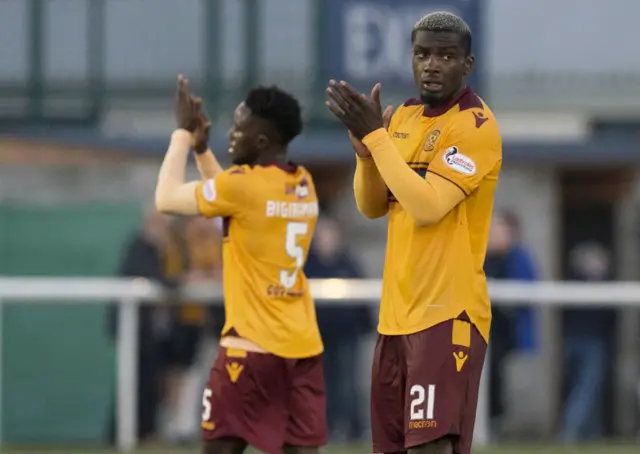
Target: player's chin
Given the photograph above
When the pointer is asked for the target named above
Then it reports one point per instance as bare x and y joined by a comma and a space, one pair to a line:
432, 98
237, 160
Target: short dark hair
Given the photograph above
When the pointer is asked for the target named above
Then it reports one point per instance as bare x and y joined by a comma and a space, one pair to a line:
278, 107
443, 21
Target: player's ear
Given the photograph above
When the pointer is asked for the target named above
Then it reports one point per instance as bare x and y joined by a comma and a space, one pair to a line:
468, 64
262, 141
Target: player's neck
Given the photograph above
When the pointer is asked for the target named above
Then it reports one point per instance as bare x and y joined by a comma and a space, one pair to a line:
449, 101
276, 156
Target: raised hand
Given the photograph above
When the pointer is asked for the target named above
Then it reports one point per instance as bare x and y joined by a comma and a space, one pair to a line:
358, 146
359, 115
201, 134
388, 111
187, 109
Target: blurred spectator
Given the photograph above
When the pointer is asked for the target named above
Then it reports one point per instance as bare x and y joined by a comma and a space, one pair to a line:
342, 329
511, 328
143, 257
587, 340
194, 254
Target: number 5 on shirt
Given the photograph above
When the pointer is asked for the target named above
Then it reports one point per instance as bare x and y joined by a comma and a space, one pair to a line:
295, 251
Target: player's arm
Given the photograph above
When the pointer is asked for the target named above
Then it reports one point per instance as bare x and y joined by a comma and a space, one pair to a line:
428, 200
223, 195
208, 165
369, 188
173, 194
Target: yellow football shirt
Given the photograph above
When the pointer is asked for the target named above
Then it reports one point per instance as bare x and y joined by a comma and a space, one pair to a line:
270, 214
435, 273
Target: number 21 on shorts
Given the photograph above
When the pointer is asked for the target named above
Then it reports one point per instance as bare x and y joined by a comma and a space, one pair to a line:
422, 402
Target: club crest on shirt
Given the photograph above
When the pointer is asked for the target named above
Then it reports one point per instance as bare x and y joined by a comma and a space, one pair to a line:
459, 162
430, 144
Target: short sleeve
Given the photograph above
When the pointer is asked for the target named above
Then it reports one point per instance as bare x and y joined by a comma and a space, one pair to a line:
223, 195
471, 150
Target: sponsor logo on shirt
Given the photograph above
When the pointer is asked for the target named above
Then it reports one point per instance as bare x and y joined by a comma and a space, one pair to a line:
300, 190
234, 370
461, 358
209, 190
480, 119
459, 162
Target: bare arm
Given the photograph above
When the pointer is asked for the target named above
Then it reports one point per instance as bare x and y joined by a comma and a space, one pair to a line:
207, 164
173, 195
370, 189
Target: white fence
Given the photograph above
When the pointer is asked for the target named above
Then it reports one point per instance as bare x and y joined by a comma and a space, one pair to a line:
131, 292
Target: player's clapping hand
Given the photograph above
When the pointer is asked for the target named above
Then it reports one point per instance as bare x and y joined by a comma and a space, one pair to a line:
361, 116
358, 146
187, 108
201, 134
190, 116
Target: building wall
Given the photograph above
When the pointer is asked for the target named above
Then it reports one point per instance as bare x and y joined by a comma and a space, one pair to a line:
529, 52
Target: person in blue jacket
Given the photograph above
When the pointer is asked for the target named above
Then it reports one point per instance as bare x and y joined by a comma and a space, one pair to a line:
512, 328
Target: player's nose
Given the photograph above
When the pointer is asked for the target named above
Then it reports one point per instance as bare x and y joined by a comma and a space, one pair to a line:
431, 65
